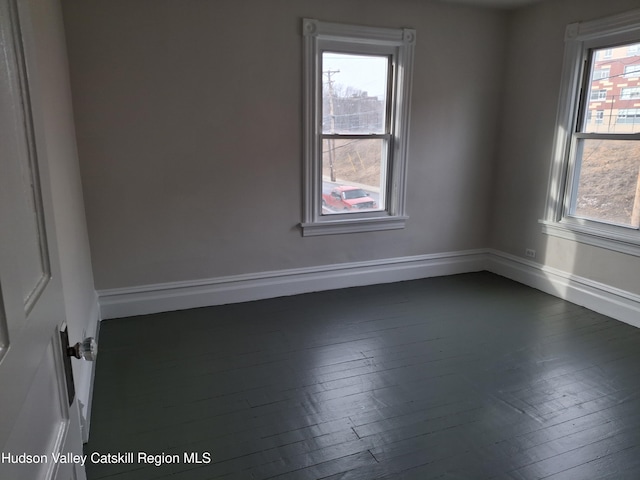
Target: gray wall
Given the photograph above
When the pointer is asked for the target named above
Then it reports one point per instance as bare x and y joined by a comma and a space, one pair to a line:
189, 132
189, 126
534, 62
55, 108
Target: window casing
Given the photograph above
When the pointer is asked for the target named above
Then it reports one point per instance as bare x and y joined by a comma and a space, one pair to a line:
343, 122
581, 142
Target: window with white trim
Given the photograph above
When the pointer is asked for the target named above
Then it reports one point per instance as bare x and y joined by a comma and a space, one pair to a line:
633, 50
599, 117
632, 71
594, 195
629, 115
357, 85
630, 93
601, 74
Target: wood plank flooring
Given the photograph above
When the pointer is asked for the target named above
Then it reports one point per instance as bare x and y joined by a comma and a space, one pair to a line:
463, 377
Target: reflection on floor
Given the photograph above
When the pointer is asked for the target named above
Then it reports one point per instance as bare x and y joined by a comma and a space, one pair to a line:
466, 377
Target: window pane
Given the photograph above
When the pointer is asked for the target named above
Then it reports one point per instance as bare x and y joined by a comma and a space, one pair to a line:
353, 175
354, 93
608, 185
614, 91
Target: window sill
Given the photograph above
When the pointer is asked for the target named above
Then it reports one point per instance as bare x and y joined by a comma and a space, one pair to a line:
355, 225
618, 239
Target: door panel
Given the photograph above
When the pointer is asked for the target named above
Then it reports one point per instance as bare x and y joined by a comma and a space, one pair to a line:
35, 418
35, 269
34, 413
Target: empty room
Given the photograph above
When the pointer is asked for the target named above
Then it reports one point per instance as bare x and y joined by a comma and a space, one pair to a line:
304, 239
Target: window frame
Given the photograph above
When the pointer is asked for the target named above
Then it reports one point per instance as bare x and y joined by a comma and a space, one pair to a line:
398, 43
580, 39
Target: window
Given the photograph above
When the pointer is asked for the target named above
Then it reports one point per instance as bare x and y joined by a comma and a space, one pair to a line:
357, 82
633, 50
598, 95
599, 116
594, 194
355, 133
606, 53
601, 74
629, 115
632, 71
630, 93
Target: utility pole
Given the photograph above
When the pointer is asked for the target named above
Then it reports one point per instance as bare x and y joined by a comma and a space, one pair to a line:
332, 118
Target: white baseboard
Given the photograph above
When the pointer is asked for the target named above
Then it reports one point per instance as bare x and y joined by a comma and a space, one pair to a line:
596, 296
141, 300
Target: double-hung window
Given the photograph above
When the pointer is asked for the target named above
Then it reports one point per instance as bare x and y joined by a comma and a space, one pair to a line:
594, 194
357, 83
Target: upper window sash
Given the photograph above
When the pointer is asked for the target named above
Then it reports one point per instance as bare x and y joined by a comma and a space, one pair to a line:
581, 39
341, 54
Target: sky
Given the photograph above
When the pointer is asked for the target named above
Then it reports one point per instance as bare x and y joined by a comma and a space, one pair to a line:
366, 73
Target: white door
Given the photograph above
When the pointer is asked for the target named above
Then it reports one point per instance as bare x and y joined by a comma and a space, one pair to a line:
36, 422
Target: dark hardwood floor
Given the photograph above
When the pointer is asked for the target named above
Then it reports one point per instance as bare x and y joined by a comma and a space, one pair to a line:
463, 377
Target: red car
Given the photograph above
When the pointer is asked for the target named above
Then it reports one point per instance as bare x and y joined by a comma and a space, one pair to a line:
350, 198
